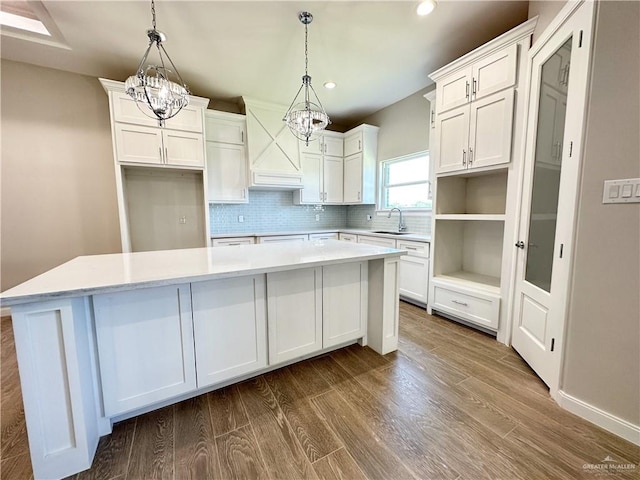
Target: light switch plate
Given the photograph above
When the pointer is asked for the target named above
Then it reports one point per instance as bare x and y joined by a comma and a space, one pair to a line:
621, 191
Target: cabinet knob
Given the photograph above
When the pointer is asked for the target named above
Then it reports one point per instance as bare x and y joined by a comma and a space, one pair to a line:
520, 244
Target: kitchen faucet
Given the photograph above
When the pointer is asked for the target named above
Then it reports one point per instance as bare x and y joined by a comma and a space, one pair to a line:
401, 227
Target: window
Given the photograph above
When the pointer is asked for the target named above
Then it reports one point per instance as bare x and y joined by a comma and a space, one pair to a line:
404, 183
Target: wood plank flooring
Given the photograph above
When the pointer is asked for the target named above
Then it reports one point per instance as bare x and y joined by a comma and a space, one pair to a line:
451, 404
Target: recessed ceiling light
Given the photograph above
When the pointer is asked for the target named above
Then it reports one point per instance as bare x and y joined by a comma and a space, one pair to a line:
426, 7
330, 85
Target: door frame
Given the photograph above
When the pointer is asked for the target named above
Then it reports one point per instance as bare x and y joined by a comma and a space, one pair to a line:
575, 132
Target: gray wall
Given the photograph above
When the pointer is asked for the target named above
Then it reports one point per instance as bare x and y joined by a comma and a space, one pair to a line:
58, 183
602, 356
546, 10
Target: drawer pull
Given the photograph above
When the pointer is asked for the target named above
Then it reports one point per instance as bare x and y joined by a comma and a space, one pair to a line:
411, 248
460, 303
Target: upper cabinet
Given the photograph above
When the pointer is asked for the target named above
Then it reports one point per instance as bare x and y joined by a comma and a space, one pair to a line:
274, 159
474, 109
138, 140
482, 77
360, 163
226, 157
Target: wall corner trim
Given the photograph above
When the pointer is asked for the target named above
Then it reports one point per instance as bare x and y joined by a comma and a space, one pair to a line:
606, 420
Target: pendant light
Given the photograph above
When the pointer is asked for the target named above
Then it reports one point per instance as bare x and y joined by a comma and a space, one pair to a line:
306, 118
158, 90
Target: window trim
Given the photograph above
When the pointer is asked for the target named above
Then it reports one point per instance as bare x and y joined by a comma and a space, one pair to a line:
380, 208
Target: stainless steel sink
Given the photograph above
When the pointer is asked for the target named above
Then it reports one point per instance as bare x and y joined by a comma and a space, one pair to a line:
390, 233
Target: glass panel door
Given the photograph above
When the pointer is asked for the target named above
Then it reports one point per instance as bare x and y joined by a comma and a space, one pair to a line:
552, 109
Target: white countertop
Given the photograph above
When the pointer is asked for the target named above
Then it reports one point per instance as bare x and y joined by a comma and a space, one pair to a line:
95, 274
417, 237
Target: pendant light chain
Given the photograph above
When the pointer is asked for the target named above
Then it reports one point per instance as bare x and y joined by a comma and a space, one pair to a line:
153, 14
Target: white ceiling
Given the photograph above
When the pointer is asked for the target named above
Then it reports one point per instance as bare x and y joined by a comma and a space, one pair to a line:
378, 52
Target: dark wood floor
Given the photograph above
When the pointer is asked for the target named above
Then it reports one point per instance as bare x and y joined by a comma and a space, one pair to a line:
452, 403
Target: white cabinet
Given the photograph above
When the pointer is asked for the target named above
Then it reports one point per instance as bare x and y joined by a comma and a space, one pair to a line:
274, 160
232, 241
348, 237
377, 241
333, 144
136, 144
229, 328
322, 180
294, 312
476, 79
478, 131
344, 302
148, 158
414, 271
145, 346
476, 135
226, 157
283, 238
360, 163
323, 236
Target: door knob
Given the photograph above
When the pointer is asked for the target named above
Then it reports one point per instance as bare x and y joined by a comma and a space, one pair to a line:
520, 244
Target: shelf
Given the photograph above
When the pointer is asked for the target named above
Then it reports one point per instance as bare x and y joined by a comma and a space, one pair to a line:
472, 216
471, 280
472, 195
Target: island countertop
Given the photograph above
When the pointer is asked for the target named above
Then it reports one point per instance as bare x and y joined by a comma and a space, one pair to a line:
94, 274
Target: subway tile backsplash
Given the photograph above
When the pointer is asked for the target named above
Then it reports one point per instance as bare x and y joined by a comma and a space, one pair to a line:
274, 211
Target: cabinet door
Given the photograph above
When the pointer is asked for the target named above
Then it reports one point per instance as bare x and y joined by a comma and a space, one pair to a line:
414, 278
494, 72
353, 143
333, 176
333, 144
188, 119
225, 130
344, 303
315, 146
226, 173
490, 130
138, 144
283, 239
454, 90
453, 135
312, 191
353, 178
229, 328
294, 313
145, 346
183, 149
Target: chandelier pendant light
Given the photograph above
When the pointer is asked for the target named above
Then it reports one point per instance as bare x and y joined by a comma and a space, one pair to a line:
158, 89
306, 117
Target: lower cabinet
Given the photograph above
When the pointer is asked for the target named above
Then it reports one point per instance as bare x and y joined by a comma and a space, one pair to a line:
414, 271
145, 346
471, 304
229, 328
344, 302
294, 310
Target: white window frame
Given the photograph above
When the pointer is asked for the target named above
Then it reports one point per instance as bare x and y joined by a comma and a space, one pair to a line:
381, 207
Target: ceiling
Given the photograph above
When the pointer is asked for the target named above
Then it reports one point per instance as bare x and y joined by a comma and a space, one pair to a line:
378, 52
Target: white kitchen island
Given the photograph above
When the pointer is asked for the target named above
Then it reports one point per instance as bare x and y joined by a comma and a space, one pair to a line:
106, 337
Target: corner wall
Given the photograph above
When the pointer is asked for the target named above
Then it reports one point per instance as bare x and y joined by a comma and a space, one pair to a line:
58, 194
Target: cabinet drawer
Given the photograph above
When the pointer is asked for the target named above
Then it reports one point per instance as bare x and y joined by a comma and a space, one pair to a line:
481, 308
348, 237
415, 249
232, 241
377, 241
323, 236
283, 238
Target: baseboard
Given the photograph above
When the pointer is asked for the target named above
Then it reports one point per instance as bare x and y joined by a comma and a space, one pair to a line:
5, 311
613, 424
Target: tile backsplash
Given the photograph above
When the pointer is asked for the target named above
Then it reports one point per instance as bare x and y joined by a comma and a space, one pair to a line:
274, 211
